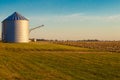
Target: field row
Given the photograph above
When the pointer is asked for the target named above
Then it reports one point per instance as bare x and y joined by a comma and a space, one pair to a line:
39, 46
111, 46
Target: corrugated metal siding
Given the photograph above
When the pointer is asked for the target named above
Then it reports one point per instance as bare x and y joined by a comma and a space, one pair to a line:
15, 29
15, 16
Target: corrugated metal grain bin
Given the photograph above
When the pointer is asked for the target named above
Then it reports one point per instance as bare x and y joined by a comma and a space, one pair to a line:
15, 28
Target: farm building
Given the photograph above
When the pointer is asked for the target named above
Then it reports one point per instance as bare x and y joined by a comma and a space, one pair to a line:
15, 28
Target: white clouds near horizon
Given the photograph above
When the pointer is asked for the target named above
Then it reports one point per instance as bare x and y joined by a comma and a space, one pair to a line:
78, 26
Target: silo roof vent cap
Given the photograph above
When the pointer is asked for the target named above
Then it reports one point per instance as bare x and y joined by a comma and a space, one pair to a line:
15, 16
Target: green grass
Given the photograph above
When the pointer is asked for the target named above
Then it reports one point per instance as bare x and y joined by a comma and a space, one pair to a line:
48, 61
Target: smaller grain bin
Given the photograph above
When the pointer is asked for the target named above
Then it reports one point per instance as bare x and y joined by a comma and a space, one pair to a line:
15, 29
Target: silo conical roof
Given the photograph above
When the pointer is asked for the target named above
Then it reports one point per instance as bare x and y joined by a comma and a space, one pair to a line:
15, 16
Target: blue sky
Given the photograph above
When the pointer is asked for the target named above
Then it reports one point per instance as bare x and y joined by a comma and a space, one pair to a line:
51, 7
68, 19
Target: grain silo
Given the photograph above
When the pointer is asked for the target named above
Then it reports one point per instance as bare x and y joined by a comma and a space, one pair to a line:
15, 29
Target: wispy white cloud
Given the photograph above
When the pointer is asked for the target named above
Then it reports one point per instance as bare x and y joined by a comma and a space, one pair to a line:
77, 17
